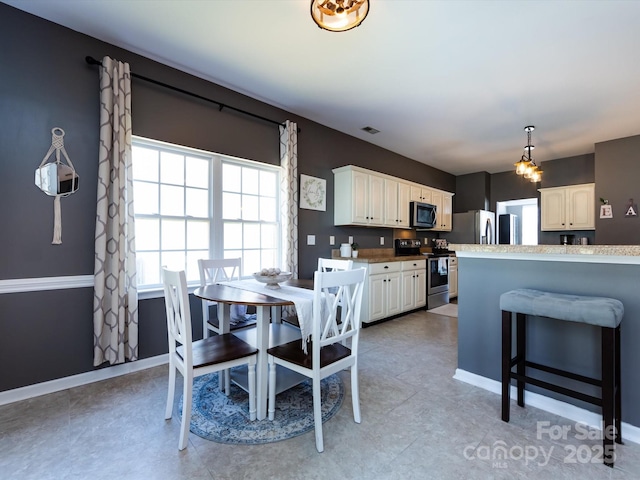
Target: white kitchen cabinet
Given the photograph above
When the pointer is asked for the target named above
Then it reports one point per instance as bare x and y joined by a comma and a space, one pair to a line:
382, 294
453, 277
396, 199
568, 208
444, 203
414, 284
420, 194
359, 197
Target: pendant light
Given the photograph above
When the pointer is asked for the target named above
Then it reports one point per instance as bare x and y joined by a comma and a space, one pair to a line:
339, 15
527, 166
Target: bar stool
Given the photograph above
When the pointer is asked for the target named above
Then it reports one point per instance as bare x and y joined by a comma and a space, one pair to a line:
603, 312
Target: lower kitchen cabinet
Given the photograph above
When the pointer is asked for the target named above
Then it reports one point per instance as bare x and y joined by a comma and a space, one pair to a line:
414, 284
453, 277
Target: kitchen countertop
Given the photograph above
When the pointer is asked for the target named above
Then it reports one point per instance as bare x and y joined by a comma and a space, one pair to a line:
621, 254
378, 255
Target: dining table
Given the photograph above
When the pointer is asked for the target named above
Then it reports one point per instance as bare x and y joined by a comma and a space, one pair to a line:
269, 331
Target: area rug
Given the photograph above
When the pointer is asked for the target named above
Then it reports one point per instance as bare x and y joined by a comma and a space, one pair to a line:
225, 419
449, 310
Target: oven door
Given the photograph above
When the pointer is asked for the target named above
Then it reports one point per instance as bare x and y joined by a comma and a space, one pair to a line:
437, 275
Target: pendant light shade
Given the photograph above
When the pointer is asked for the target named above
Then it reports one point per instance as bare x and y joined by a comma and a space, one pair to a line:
339, 15
527, 166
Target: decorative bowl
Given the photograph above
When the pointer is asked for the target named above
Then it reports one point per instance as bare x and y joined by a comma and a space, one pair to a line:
272, 281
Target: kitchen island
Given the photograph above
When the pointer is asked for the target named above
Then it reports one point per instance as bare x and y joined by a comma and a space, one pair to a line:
487, 271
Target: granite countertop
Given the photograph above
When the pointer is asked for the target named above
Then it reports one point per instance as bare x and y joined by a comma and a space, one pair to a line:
378, 255
616, 250
611, 254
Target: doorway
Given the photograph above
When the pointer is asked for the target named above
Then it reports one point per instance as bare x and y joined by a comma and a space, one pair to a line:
525, 220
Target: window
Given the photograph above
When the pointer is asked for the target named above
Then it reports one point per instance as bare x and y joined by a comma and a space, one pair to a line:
191, 204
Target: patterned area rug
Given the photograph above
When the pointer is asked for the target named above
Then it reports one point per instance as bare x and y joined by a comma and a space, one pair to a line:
225, 419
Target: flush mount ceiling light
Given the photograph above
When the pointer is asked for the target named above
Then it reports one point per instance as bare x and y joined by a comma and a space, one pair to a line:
527, 166
339, 15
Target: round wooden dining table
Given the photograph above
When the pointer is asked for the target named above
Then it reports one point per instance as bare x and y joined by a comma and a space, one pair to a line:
267, 307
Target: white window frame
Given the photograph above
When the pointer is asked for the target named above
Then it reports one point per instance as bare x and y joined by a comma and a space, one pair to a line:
215, 189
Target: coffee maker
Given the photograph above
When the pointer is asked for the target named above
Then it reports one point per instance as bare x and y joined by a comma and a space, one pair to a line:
567, 239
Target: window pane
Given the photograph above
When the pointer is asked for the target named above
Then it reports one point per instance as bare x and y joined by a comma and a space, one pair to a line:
172, 200
172, 234
171, 168
268, 209
147, 234
269, 258
146, 164
148, 265
252, 263
232, 235
145, 198
251, 237
173, 260
269, 236
250, 180
250, 208
193, 273
268, 184
197, 172
197, 203
231, 206
197, 235
231, 175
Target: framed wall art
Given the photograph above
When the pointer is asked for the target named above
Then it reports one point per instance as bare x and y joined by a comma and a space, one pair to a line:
313, 193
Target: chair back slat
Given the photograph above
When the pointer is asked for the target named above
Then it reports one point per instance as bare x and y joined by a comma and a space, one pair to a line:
333, 264
213, 270
176, 299
332, 290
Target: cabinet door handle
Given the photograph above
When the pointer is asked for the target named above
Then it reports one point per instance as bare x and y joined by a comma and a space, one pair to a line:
386, 266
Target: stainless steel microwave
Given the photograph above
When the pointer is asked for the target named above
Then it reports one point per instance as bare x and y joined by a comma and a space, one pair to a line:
423, 215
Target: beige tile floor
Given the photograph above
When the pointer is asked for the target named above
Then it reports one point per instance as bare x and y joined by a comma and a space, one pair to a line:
417, 423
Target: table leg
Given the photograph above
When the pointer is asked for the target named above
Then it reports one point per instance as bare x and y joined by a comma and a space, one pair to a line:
224, 323
262, 339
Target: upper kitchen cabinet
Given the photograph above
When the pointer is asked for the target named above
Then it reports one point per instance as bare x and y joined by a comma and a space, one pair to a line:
444, 206
420, 194
568, 208
396, 209
359, 197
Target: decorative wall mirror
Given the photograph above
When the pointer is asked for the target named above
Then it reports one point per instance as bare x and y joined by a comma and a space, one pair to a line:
57, 179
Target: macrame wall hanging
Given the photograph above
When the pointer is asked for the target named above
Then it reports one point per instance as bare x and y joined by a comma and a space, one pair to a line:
57, 179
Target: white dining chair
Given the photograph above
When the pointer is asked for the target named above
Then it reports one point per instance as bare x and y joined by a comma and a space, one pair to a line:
332, 264
326, 353
193, 359
214, 270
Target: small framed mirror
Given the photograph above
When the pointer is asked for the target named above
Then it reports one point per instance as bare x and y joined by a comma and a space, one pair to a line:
57, 179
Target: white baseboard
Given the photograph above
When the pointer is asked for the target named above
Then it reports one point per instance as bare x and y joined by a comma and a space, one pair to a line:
59, 384
557, 407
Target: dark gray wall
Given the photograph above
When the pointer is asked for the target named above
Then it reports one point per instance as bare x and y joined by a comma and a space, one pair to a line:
472, 192
46, 83
567, 345
617, 180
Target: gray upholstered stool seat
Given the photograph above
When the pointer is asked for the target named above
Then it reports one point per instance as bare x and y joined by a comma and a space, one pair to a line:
599, 311
605, 313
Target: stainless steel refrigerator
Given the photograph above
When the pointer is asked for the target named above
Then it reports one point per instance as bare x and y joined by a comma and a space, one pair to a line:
474, 226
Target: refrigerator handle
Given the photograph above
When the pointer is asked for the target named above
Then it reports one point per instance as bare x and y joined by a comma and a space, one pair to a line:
488, 231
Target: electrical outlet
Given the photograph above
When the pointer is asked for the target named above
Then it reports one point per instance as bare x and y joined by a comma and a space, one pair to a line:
350, 240
311, 239
381, 240
332, 240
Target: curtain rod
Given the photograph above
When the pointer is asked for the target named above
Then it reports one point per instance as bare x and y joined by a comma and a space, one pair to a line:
93, 61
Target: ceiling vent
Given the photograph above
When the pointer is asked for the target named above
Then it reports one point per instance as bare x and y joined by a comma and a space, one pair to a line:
371, 130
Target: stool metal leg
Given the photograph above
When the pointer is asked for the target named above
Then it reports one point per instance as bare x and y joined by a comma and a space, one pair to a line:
617, 386
608, 374
506, 363
520, 354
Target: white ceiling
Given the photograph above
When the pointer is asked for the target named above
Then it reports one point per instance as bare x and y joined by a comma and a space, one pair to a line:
451, 84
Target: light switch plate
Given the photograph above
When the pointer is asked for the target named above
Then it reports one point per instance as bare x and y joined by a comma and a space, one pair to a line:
311, 239
381, 240
350, 240
332, 240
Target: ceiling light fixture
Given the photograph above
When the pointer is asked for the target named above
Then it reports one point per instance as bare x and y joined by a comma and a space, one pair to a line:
339, 15
527, 166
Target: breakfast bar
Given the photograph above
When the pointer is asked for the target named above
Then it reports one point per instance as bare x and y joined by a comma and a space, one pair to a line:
488, 271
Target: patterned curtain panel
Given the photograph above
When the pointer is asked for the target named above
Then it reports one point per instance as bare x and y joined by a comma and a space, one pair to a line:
289, 195
115, 300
